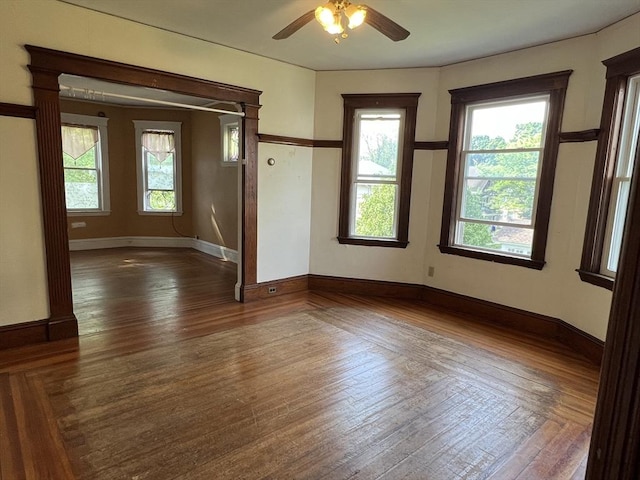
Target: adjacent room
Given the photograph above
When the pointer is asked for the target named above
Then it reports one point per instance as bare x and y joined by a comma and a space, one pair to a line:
319, 239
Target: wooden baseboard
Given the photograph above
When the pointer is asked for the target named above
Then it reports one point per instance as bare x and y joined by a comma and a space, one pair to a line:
60, 328
482, 310
38, 331
365, 287
23, 334
260, 291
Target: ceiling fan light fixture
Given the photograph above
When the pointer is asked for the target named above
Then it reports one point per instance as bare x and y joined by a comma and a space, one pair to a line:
336, 27
325, 15
356, 15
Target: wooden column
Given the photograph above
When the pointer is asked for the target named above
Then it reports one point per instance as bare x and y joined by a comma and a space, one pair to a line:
62, 322
250, 196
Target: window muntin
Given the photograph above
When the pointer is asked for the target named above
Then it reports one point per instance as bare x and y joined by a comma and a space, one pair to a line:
230, 139
501, 159
85, 163
630, 130
377, 161
159, 167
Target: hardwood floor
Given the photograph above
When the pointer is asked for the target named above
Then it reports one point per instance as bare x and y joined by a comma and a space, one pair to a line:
170, 379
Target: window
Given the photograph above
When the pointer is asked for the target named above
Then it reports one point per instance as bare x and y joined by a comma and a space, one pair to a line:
503, 145
230, 139
377, 162
617, 143
159, 167
85, 159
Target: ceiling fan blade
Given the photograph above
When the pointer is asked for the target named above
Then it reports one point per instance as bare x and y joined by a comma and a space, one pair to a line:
294, 26
385, 25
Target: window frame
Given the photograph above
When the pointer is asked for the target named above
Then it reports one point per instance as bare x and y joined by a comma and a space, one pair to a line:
619, 70
141, 126
228, 121
408, 103
552, 84
102, 167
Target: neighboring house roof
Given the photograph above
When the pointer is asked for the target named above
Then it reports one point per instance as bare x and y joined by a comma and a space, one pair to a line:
367, 167
513, 235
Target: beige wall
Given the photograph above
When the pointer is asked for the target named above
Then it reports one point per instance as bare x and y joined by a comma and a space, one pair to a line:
556, 290
124, 219
215, 186
287, 109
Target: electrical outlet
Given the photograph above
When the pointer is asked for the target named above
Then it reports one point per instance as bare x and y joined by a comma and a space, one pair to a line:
431, 271
272, 289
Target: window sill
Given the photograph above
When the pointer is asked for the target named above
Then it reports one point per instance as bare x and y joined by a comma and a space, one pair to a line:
225, 163
88, 213
492, 257
596, 279
160, 214
373, 242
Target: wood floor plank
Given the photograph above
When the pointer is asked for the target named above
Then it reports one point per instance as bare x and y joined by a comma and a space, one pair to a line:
171, 379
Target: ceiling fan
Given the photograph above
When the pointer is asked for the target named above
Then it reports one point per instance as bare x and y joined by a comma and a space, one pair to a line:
335, 13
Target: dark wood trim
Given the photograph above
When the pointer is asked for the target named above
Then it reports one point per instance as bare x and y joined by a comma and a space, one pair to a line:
491, 257
372, 242
352, 102
15, 110
615, 440
283, 286
619, 69
249, 255
546, 82
23, 334
583, 136
624, 64
554, 84
514, 319
282, 140
60, 328
360, 286
327, 143
45, 66
441, 145
298, 142
565, 137
596, 279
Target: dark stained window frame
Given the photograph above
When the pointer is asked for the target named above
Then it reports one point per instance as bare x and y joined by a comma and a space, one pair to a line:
555, 85
619, 69
404, 101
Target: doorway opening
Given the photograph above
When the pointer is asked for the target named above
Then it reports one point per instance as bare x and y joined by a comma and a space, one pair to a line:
46, 67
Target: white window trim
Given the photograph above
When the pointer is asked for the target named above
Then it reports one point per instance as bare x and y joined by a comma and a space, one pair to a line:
227, 121
463, 176
356, 180
176, 127
629, 130
102, 162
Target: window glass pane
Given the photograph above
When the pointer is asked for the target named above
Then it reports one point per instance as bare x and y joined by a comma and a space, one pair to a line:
86, 160
81, 189
618, 226
510, 165
507, 240
233, 140
378, 145
161, 200
507, 125
375, 210
160, 172
505, 201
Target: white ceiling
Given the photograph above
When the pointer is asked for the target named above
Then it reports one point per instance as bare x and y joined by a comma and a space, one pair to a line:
442, 31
